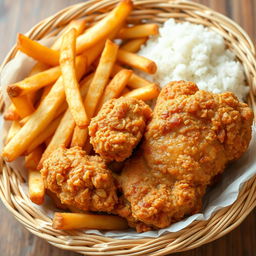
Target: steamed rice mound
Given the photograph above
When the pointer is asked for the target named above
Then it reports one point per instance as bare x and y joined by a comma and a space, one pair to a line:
185, 51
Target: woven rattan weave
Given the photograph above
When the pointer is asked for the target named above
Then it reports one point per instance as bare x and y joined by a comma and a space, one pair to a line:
198, 233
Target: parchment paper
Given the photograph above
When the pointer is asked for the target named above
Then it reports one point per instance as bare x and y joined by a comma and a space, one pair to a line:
222, 195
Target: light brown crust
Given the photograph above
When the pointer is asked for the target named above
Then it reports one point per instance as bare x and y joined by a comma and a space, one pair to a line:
118, 128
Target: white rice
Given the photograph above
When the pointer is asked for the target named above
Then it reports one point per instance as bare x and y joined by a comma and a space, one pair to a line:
185, 51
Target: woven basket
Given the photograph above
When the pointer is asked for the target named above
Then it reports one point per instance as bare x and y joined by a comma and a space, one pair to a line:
199, 232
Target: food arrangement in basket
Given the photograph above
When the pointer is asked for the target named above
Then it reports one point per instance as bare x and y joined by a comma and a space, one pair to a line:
126, 125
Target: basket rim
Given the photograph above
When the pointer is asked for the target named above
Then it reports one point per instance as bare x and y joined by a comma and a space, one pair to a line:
247, 195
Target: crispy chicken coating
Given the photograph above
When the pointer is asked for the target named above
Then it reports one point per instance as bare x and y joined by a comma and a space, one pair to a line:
80, 180
191, 138
118, 128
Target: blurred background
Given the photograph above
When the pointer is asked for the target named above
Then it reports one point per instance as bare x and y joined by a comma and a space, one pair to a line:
19, 16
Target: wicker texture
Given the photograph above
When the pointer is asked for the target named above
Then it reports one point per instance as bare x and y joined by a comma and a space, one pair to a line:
199, 232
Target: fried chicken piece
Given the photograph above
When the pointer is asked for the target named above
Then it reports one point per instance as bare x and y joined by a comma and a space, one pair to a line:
79, 180
191, 138
118, 128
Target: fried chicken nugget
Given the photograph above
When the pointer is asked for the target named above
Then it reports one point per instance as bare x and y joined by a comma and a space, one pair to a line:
118, 128
79, 180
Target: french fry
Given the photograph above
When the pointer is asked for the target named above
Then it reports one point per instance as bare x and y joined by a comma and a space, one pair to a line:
116, 86
76, 139
34, 82
39, 120
63, 107
64, 131
101, 77
85, 84
135, 81
37, 51
134, 45
62, 136
136, 61
71, 86
78, 25
137, 31
104, 27
38, 67
68, 221
36, 188
144, 93
15, 127
96, 88
40, 139
11, 114
23, 106
79, 137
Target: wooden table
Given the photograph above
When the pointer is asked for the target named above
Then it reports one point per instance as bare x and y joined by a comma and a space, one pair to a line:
21, 15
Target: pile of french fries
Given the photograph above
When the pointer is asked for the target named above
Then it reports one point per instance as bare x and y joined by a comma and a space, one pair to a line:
68, 85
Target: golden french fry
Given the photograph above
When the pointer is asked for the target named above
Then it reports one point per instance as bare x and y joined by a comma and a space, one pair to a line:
101, 77
71, 86
63, 133
134, 45
79, 137
33, 159
116, 86
104, 27
62, 136
39, 120
68, 221
78, 25
136, 61
34, 83
144, 93
23, 106
11, 114
77, 140
143, 30
96, 88
63, 107
40, 139
125, 90
35, 182
15, 127
36, 189
37, 51
135, 81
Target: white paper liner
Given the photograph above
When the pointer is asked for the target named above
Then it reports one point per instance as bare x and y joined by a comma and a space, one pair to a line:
221, 195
